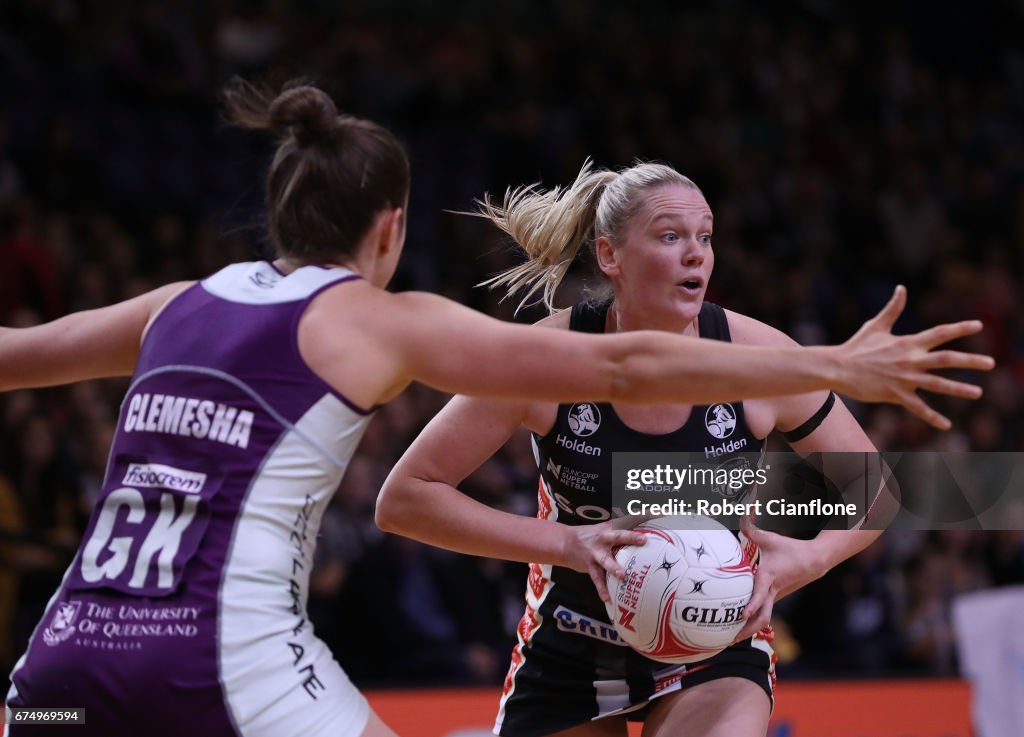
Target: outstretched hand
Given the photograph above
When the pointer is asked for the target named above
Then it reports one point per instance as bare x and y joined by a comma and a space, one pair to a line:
882, 367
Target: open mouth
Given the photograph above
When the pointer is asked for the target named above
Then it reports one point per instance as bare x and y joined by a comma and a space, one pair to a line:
691, 285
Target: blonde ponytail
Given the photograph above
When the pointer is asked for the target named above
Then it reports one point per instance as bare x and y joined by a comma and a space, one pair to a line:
550, 226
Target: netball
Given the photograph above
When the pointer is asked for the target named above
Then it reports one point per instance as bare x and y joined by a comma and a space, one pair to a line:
682, 597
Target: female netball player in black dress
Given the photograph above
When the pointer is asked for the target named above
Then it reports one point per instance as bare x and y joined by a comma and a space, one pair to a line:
651, 229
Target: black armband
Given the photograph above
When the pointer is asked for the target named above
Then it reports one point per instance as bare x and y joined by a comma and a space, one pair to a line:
801, 432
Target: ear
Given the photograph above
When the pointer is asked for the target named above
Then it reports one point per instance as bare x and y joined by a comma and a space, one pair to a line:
607, 256
392, 231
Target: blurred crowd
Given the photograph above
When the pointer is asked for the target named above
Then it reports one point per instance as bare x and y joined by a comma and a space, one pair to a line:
842, 149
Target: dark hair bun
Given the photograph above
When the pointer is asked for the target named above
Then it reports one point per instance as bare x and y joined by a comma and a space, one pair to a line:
307, 112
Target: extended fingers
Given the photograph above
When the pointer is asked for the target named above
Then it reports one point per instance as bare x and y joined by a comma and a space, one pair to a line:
917, 406
956, 359
944, 333
893, 308
940, 385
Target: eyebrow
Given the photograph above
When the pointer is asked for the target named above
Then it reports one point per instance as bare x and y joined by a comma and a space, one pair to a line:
658, 218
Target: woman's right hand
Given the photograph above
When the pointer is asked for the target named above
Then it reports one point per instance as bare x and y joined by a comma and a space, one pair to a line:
591, 549
878, 366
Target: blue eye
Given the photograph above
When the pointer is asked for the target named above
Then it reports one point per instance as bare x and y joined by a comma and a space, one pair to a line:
706, 239
669, 237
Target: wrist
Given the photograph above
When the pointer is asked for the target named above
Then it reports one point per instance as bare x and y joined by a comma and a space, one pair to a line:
820, 556
831, 366
566, 541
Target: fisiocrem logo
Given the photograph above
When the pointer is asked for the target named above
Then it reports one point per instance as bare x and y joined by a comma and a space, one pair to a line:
159, 476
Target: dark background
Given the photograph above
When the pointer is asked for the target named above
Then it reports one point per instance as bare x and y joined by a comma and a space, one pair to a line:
844, 148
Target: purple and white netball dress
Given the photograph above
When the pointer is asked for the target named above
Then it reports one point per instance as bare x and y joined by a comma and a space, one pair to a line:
184, 611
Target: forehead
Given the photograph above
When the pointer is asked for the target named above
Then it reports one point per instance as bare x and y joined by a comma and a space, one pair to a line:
672, 202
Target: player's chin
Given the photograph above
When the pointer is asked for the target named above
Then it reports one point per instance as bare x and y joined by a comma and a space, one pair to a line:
687, 306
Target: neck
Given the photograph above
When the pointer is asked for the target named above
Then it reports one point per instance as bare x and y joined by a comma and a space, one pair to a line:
621, 320
287, 265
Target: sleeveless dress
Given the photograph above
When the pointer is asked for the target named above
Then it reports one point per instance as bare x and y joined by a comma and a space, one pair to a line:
184, 610
569, 665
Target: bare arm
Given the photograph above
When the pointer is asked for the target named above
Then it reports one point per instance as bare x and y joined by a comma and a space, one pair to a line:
788, 564
84, 345
387, 341
420, 498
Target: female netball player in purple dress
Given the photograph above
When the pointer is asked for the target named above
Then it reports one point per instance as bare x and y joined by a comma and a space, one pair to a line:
570, 674
183, 611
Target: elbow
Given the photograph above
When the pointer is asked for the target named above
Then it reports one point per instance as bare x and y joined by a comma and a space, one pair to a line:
384, 514
637, 367
620, 386
391, 511
624, 380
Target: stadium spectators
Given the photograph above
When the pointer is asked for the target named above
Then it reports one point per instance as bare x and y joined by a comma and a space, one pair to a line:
838, 163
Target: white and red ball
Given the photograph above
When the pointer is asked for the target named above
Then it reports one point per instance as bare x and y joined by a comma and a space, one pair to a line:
684, 590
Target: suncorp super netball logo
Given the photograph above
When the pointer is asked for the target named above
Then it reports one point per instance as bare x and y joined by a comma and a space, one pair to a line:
584, 419
720, 420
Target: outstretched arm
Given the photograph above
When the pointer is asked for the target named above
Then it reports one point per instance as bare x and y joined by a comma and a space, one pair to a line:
422, 337
84, 345
814, 425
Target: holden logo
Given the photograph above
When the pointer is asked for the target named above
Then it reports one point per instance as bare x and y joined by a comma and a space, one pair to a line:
720, 420
584, 419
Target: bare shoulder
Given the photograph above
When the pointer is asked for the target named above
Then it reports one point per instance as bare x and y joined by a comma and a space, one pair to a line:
344, 338
747, 330
351, 308
783, 412
160, 297
357, 306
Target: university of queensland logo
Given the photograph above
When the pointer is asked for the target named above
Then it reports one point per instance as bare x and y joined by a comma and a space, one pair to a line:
720, 420
584, 419
63, 624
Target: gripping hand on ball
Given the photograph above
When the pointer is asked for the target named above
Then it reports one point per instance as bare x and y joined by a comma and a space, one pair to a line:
591, 549
785, 565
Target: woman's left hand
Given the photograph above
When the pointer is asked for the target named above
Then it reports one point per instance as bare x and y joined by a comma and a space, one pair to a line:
785, 565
